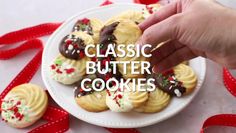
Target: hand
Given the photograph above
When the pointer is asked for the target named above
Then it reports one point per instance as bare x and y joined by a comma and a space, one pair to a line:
191, 28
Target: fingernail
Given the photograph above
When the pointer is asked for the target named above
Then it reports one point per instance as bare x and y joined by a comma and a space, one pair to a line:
154, 69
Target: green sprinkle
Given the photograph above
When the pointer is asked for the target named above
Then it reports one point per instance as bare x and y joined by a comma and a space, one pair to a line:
58, 62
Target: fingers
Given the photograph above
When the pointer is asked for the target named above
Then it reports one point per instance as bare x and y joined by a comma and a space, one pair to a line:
162, 14
165, 50
173, 59
160, 32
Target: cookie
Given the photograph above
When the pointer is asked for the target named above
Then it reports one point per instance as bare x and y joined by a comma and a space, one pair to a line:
90, 26
135, 16
168, 83
127, 32
91, 101
185, 62
124, 32
72, 46
125, 101
187, 76
67, 71
24, 105
150, 9
157, 101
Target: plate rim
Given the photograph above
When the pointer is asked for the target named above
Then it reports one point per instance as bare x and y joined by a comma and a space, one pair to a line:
95, 122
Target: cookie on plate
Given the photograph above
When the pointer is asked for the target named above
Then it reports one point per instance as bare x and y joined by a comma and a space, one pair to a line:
92, 101
67, 71
135, 16
125, 100
186, 75
90, 26
73, 45
157, 101
24, 105
124, 32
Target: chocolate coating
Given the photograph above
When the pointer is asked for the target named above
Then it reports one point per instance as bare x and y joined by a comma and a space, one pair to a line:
169, 84
72, 47
106, 38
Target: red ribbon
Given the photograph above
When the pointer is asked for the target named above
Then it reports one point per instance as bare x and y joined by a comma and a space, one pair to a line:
223, 119
58, 119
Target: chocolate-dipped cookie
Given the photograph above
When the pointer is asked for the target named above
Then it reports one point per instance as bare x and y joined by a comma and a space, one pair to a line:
168, 83
89, 26
106, 38
93, 101
72, 46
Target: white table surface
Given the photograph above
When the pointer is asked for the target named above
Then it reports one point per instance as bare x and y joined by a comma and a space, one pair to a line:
212, 99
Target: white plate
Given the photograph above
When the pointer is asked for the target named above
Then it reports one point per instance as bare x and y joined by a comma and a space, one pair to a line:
64, 95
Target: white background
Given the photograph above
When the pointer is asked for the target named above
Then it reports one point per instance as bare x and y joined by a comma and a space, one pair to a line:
212, 99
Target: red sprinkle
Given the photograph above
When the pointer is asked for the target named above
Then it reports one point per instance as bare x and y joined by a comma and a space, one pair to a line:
85, 21
104, 62
119, 96
59, 71
75, 46
18, 103
149, 9
21, 117
81, 54
103, 52
69, 71
68, 42
170, 78
94, 59
53, 67
113, 83
108, 92
117, 103
81, 90
107, 77
17, 114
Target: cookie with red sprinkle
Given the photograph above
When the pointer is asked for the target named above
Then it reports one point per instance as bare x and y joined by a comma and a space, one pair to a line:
73, 45
24, 105
67, 71
90, 26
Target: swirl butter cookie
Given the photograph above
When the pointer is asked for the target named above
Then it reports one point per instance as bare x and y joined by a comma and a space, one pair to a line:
124, 32
68, 71
90, 100
187, 76
157, 101
135, 16
125, 100
72, 46
24, 105
127, 32
89, 26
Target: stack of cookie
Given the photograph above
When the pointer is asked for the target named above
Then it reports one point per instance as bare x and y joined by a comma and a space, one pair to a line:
69, 67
